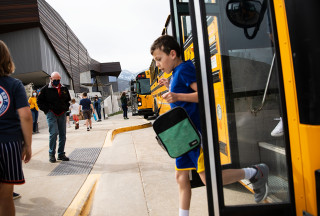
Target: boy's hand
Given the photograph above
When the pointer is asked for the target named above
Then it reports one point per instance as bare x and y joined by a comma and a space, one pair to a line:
164, 81
26, 153
170, 97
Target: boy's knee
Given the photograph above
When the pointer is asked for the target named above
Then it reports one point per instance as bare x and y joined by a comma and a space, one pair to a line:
182, 177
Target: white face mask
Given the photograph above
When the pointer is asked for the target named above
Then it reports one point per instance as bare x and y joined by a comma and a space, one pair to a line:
34, 94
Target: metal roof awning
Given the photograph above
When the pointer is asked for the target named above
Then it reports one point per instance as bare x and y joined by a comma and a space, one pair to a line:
107, 69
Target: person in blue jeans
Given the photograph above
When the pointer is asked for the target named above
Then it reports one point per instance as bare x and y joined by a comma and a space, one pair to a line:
183, 92
53, 100
97, 106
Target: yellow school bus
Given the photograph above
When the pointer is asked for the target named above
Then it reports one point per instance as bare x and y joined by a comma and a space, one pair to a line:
160, 106
257, 65
143, 98
188, 48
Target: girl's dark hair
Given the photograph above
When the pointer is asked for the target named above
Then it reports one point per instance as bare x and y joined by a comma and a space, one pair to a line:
7, 66
165, 43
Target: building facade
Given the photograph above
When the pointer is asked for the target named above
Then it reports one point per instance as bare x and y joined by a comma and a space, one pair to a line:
41, 42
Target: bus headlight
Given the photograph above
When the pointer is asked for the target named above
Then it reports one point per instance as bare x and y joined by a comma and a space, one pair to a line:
139, 103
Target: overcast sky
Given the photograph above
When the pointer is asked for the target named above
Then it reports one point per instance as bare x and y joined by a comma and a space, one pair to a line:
116, 31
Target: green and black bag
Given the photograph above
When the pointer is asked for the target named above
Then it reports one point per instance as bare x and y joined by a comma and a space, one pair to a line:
176, 133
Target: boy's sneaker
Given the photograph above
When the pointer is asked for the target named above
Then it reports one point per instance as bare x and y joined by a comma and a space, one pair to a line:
260, 182
278, 130
16, 195
88, 129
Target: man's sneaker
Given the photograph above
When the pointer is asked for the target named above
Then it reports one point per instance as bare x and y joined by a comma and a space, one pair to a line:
88, 129
278, 130
52, 158
63, 158
260, 182
16, 195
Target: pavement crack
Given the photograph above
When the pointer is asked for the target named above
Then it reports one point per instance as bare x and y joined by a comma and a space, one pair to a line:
140, 173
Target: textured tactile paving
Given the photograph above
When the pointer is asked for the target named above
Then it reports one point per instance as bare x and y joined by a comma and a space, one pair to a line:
81, 162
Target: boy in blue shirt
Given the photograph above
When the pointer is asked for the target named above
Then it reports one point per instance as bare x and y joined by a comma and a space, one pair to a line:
183, 92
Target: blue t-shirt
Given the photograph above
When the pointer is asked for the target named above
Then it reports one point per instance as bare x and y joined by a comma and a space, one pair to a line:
85, 103
12, 97
182, 77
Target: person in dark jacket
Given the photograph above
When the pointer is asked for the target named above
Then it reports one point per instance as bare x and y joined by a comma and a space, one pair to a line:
124, 105
53, 100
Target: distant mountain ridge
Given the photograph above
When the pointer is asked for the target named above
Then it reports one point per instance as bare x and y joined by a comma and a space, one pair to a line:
126, 75
124, 79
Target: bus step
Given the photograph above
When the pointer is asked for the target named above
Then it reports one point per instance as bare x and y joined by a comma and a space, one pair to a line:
275, 157
278, 189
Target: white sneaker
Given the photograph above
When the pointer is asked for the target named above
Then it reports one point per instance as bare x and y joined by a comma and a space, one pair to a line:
278, 130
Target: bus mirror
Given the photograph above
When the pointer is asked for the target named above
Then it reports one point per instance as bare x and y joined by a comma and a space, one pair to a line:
244, 13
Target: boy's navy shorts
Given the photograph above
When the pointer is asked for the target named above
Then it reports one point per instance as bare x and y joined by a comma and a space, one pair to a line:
193, 160
86, 114
11, 163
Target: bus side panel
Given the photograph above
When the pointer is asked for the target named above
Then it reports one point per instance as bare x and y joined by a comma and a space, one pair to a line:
292, 106
309, 137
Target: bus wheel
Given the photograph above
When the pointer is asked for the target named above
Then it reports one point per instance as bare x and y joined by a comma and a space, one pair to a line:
145, 116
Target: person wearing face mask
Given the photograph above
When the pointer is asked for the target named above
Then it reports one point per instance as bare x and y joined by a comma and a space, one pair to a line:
53, 100
34, 110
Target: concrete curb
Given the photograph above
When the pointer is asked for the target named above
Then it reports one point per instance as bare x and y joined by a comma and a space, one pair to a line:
81, 204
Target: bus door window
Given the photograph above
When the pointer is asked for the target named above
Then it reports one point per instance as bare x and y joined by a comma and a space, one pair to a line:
250, 112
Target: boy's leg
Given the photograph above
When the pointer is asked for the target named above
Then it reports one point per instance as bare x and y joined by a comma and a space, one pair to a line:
203, 177
230, 176
182, 178
6, 200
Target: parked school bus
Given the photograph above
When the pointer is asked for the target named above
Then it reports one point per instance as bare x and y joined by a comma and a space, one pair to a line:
141, 95
160, 106
257, 74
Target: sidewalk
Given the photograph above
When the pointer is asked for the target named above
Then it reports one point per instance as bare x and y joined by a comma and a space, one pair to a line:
135, 176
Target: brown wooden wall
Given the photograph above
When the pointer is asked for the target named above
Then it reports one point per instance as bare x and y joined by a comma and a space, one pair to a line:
13, 12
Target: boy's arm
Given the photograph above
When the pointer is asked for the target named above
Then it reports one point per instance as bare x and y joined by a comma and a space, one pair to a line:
172, 97
26, 126
164, 81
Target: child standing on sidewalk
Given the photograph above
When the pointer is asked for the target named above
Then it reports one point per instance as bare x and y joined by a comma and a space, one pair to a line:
183, 92
15, 131
87, 109
74, 112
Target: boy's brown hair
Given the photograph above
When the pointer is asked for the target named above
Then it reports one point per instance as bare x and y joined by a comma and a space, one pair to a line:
7, 66
165, 43
73, 100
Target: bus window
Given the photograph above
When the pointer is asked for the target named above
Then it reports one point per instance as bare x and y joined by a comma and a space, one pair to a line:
186, 26
143, 86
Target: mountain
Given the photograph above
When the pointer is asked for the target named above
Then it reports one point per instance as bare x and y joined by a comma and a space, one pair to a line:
126, 75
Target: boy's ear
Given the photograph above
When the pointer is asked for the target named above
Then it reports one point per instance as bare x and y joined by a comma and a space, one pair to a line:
173, 54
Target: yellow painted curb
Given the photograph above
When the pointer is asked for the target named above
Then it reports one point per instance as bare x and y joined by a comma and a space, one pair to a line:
79, 205
112, 133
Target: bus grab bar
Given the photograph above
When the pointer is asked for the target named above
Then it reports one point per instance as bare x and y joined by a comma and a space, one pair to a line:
256, 110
